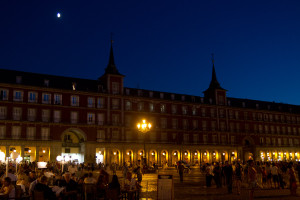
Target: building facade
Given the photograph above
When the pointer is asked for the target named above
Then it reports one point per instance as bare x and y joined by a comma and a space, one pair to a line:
44, 116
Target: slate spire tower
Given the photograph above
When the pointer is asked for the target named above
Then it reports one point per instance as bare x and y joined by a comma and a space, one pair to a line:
215, 94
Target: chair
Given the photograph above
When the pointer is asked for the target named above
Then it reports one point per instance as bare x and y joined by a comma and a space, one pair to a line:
89, 191
38, 195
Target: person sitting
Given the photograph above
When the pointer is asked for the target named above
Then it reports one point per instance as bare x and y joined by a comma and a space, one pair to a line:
7, 188
32, 186
114, 189
90, 179
42, 186
70, 185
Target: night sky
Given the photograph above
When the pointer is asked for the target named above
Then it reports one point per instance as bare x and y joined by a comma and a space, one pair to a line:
160, 45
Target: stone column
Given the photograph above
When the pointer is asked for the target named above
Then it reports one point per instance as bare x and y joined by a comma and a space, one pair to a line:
22, 151
37, 153
7, 151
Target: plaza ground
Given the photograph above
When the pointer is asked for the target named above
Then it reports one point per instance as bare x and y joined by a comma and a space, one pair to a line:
193, 187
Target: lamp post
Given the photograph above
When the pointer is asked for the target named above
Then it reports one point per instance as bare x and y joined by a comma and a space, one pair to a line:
144, 127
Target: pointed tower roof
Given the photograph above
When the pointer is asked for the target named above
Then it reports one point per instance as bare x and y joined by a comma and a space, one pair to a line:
111, 67
214, 84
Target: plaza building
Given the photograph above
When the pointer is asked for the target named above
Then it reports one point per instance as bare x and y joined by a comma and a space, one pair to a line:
43, 116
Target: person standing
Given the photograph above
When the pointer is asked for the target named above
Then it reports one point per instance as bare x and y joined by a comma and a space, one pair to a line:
252, 179
228, 171
293, 181
238, 177
217, 175
180, 170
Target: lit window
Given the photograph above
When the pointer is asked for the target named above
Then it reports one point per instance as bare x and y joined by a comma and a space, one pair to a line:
3, 94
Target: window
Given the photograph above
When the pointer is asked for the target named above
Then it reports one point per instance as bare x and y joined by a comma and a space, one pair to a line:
46, 98
17, 113
128, 105
204, 139
16, 132
30, 133
174, 123
212, 112
115, 104
283, 130
289, 130
291, 141
203, 112
100, 102
184, 110
115, 88
91, 118
231, 127
223, 139
245, 115
273, 141
268, 141
100, 135
172, 96
74, 100
163, 122
279, 141
151, 94
266, 117
186, 138
46, 82
194, 111
204, 125
266, 129
195, 138
221, 100
222, 113
284, 141
31, 114
140, 106
182, 98
222, 124
195, 124
2, 132
56, 118
164, 136
151, 107
259, 116
100, 119
32, 97
57, 99
174, 109
185, 124
91, 102
236, 114
45, 115
3, 112
174, 135
261, 140
232, 139
115, 135
18, 95
214, 139
74, 117
45, 132
18, 79
116, 119
260, 128
163, 108
127, 91
3, 94
213, 126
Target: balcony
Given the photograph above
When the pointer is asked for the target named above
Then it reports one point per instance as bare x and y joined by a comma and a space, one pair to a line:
2, 116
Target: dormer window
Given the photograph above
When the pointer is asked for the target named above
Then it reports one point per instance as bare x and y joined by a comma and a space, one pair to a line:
46, 83
161, 95
228, 103
183, 98
257, 106
172, 96
127, 91
73, 86
140, 93
18, 79
244, 104
151, 94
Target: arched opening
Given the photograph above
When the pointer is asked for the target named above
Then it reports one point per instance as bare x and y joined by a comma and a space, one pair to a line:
73, 144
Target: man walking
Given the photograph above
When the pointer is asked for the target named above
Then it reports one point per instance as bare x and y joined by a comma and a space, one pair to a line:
180, 170
228, 175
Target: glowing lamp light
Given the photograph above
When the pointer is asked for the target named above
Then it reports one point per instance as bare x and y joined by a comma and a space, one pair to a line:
290, 154
59, 158
127, 153
100, 152
44, 151
273, 153
262, 153
195, 153
175, 154
164, 154
15, 150
185, 153
115, 153
58, 15
144, 126
205, 153
232, 152
223, 154
2, 156
141, 153
67, 158
152, 154
29, 151
284, 153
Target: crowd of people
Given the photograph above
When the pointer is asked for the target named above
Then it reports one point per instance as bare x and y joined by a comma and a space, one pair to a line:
253, 175
69, 182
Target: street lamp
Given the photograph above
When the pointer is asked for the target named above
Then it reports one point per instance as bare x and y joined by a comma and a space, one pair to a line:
144, 127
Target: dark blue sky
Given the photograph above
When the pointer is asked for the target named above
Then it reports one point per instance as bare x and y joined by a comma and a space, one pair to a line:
161, 45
